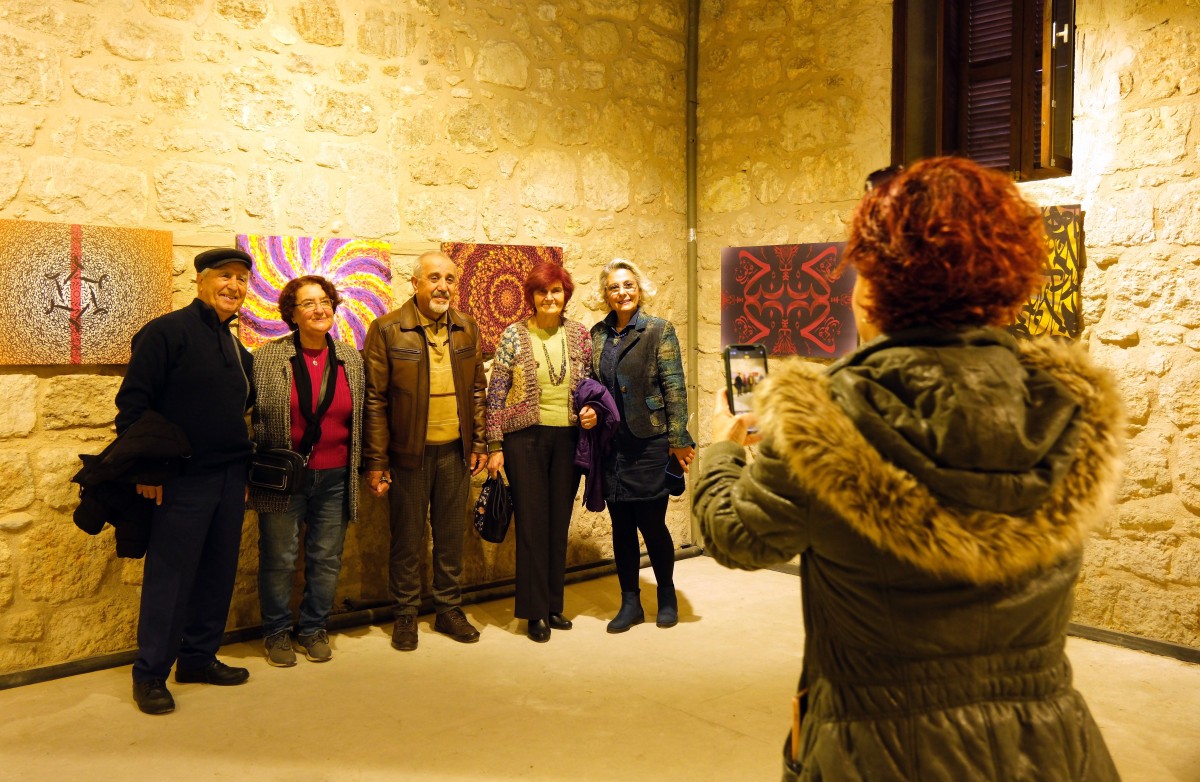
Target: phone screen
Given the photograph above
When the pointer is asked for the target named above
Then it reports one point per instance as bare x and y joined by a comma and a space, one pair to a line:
674, 468
745, 368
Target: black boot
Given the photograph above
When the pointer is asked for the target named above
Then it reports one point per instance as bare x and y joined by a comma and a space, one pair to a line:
668, 606
630, 614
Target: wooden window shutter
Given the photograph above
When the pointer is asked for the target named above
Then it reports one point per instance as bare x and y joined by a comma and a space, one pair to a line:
990, 84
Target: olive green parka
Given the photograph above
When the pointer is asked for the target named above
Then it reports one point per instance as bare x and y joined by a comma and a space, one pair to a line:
938, 488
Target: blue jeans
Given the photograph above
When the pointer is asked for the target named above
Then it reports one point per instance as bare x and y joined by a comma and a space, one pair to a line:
321, 508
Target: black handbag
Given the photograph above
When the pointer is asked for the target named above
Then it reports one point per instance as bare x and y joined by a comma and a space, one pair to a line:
282, 470
493, 510
279, 470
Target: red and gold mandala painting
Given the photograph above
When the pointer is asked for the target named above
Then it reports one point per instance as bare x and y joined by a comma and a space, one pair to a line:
793, 298
490, 280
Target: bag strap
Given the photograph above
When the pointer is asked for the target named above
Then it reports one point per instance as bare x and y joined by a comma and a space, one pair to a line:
304, 391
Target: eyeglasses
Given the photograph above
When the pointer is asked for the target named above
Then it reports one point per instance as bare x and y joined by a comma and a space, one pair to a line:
308, 305
881, 177
628, 285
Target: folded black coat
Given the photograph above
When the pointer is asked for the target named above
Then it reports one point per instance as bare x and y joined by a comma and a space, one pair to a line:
148, 452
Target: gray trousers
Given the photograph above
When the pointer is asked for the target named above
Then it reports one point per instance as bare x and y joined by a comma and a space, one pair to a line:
437, 491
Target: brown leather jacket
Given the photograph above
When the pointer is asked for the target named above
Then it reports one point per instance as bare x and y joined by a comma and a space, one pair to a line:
396, 413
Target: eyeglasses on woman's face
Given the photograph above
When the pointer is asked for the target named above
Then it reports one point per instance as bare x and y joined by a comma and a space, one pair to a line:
308, 305
617, 287
881, 177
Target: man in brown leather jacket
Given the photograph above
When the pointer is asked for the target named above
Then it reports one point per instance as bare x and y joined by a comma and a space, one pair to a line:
424, 439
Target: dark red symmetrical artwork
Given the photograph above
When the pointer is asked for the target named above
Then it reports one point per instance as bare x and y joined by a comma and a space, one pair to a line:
491, 279
793, 298
78, 293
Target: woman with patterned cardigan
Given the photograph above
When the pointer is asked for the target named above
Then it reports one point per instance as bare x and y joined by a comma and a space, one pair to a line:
290, 373
532, 430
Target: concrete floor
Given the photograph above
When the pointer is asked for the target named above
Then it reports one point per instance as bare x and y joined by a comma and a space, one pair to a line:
706, 700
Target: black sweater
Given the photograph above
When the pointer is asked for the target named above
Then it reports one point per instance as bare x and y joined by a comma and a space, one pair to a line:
186, 366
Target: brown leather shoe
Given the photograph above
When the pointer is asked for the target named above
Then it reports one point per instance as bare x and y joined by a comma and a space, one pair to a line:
454, 624
404, 633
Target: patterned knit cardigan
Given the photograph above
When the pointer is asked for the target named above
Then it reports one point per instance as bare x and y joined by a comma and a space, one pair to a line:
273, 412
513, 393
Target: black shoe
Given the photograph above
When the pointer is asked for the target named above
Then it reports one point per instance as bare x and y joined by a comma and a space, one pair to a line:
454, 624
630, 614
539, 631
404, 633
152, 697
559, 622
215, 672
668, 606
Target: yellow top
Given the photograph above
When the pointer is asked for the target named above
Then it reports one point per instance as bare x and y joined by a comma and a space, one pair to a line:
443, 403
553, 363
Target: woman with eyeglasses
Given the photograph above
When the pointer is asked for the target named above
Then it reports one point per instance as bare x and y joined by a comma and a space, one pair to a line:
532, 431
938, 484
636, 356
298, 376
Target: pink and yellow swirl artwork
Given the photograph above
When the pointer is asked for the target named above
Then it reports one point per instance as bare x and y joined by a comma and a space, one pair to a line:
358, 267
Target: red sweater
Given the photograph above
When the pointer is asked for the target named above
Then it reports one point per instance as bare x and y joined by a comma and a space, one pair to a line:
333, 449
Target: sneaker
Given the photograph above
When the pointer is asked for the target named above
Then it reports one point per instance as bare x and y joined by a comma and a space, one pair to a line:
315, 646
454, 624
278, 647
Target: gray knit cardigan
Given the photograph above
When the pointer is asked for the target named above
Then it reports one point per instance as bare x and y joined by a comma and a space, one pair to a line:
273, 415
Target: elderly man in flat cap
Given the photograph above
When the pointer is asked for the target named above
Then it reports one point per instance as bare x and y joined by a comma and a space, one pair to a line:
188, 367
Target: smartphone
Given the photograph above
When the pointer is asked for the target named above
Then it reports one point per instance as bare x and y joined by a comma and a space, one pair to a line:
674, 468
745, 368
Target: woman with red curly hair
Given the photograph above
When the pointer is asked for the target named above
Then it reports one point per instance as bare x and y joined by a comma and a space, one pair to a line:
532, 430
937, 484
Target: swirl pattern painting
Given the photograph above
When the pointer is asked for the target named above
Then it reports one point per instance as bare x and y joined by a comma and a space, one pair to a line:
490, 283
793, 298
360, 268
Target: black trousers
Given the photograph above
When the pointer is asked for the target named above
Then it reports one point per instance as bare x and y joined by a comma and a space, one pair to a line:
650, 518
540, 464
190, 568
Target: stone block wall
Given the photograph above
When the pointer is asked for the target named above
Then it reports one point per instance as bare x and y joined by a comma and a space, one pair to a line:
509, 121
795, 110
1136, 163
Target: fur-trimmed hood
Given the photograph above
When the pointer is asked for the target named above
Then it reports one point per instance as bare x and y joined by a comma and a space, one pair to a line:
1058, 429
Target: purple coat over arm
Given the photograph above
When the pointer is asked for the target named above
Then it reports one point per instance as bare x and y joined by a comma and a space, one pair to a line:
595, 442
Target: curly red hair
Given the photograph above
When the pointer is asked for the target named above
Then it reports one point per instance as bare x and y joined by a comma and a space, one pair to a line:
949, 244
543, 276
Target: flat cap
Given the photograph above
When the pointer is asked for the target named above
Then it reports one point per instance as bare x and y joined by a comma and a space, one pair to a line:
210, 259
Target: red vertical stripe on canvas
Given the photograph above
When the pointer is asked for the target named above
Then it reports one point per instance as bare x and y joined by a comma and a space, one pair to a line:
76, 293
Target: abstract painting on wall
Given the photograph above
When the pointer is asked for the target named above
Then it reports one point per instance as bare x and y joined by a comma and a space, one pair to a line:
77, 294
793, 298
490, 283
360, 268
1056, 309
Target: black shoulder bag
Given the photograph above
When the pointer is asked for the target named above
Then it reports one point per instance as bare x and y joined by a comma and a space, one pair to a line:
282, 470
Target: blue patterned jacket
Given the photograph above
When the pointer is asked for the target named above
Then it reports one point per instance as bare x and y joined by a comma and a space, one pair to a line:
649, 377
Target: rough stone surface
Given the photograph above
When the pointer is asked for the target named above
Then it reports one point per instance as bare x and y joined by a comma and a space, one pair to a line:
386, 33
78, 189
17, 131
28, 74
176, 90
442, 216
72, 29
605, 182
255, 100
344, 113
19, 412
173, 9
69, 633
371, 210
22, 626
548, 180
79, 400
502, 63
53, 468
7, 581
113, 137
247, 14
306, 203
199, 193
71, 564
139, 42
319, 21
114, 86
470, 130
